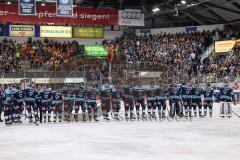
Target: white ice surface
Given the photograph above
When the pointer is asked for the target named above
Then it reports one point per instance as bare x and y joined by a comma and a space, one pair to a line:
199, 139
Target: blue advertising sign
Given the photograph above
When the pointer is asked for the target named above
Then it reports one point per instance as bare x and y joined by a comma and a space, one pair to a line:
26, 7
64, 8
2, 29
145, 30
191, 29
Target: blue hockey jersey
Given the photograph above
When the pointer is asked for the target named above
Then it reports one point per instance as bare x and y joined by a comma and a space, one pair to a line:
208, 94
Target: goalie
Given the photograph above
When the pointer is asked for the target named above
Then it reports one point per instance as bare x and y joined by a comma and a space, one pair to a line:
226, 97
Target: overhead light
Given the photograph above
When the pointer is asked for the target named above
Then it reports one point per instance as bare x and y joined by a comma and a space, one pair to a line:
8, 2
193, 4
43, 4
183, 1
155, 9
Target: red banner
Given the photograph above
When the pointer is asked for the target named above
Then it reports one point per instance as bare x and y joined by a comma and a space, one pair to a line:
47, 14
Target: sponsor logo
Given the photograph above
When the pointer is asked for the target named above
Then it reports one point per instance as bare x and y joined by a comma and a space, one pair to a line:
26, 1
131, 14
64, 1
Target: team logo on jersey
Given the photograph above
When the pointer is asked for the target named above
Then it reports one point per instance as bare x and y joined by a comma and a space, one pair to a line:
30, 93
26, 1
187, 92
57, 96
175, 92
197, 92
207, 94
20, 95
45, 96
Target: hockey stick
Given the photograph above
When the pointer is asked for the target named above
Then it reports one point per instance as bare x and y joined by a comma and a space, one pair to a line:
35, 122
120, 117
236, 114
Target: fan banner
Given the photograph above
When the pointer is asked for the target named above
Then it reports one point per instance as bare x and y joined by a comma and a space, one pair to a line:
130, 17
27, 7
47, 14
64, 8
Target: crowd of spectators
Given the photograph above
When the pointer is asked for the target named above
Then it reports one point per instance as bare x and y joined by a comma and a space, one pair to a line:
224, 66
178, 55
9, 61
48, 53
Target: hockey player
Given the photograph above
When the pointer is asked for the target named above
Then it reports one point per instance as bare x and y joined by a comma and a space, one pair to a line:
92, 104
116, 101
80, 101
57, 102
151, 101
30, 100
1, 103
8, 104
105, 95
161, 102
187, 99
226, 97
127, 97
196, 100
18, 107
175, 101
68, 104
46, 103
208, 100
139, 97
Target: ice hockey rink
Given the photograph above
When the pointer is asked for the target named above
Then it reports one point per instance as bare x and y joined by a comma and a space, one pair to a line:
199, 139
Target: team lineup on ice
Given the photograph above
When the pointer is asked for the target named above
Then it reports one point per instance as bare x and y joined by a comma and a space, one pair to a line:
141, 102
120, 122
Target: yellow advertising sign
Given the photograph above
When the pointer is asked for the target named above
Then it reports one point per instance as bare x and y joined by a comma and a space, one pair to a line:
225, 46
56, 31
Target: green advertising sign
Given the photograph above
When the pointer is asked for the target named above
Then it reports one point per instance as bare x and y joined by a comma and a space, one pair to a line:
95, 50
88, 32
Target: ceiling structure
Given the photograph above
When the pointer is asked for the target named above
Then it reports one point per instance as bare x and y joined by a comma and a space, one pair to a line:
171, 13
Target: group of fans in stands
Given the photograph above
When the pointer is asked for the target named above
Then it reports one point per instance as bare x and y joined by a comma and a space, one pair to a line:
225, 65
146, 102
48, 53
173, 53
8, 57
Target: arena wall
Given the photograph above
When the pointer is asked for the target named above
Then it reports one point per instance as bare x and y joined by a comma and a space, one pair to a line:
183, 29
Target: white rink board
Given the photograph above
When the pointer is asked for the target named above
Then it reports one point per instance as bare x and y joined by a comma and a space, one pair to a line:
199, 139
